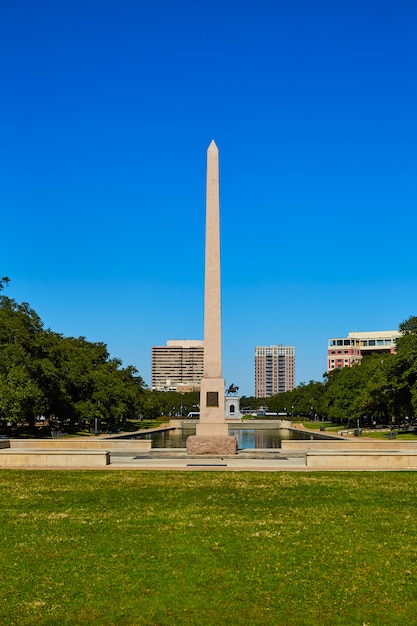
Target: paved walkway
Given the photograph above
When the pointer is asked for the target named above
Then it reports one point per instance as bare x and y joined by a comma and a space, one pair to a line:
245, 460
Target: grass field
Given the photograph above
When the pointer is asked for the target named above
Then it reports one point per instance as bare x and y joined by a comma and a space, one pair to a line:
210, 548
379, 435
317, 425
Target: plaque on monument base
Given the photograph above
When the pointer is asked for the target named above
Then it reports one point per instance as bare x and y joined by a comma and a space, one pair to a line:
206, 444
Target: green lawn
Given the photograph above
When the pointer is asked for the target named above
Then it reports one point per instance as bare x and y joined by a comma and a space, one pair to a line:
383, 435
212, 548
317, 425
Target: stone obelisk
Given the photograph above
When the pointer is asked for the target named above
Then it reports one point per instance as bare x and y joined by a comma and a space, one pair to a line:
212, 433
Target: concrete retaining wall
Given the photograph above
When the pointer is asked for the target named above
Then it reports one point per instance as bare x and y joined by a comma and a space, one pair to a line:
54, 458
347, 444
260, 424
364, 459
73, 443
255, 424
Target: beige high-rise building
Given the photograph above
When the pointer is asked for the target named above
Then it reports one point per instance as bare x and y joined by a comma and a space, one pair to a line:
274, 370
178, 366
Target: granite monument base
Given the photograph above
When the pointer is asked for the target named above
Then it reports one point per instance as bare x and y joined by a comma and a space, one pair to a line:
203, 444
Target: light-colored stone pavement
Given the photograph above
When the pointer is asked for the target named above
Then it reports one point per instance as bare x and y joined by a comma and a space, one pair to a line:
245, 460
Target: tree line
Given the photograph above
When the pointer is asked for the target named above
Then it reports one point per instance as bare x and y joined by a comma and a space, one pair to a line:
70, 382
44, 374
73, 381
382, 388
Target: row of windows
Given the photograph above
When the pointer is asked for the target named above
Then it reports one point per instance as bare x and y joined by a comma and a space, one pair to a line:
268, 373
344, 352
274, 351
269, 379
362, 342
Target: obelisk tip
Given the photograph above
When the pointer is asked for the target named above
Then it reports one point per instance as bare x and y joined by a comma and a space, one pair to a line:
212, 146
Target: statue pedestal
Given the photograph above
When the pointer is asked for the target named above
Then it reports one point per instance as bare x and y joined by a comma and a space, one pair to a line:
211, 445
232, 407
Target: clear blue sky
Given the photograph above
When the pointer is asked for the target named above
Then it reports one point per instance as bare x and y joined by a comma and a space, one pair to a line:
107, 110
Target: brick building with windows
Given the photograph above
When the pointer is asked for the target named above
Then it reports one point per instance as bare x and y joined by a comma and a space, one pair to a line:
346, 351
274, 370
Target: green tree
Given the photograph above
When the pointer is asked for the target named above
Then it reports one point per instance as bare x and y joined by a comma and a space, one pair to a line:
97, 385
21, 397
63, 378
250, 402
304, 399
403, 373
4, 280
375, 397
341, 389
408, 327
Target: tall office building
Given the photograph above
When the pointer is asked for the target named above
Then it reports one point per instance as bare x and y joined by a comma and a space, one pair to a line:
346, 351
274, 370
178, 366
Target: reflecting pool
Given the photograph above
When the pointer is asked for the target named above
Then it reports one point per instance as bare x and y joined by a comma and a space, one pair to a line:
246, 438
